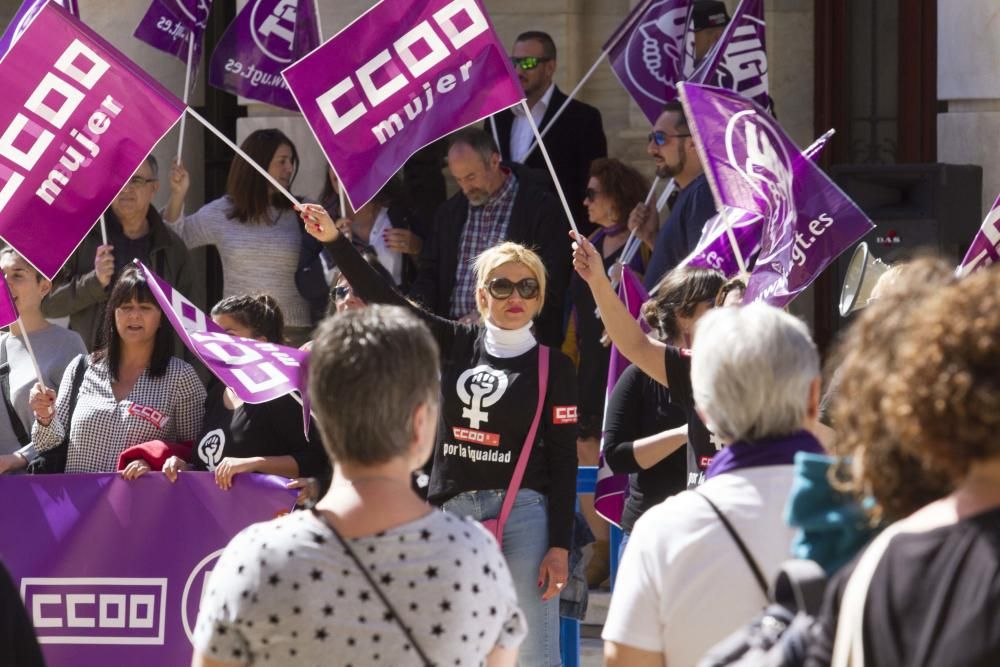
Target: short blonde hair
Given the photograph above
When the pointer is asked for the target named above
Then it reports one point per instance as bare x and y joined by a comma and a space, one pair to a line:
506, 253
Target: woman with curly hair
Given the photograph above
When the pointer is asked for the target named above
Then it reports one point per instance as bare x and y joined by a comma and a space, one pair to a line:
927, 590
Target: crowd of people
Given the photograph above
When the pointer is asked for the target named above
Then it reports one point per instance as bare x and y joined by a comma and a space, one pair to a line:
458, 367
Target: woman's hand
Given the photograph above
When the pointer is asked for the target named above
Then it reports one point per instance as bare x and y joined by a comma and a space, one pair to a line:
229, 467
587, 261
12, 462
42, 401
136, 469
319, 224
403, 241
172, 466
553, 572
308, 490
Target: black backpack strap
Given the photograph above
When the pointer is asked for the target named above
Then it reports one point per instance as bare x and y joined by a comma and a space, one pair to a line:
15, 421
81, 368
747, 556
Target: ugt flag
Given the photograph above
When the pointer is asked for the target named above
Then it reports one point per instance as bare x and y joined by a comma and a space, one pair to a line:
738, 61
77, 119
752, 164
402, 75
256, 371
612, 488
169, 24
23, 17
985, 248
647, 51
266, 37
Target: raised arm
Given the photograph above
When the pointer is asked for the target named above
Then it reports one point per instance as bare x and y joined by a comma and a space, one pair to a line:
645, 352
201, 227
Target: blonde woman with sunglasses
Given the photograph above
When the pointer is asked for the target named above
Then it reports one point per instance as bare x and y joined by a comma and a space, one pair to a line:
490, 380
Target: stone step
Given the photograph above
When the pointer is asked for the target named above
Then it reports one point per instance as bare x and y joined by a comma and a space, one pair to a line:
597, 608
591, 652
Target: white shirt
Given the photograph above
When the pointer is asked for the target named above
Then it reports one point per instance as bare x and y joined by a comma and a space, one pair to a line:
683, 585
521, 134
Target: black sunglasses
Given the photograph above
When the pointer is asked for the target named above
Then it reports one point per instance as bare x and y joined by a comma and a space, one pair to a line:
342, 292
528, 62
591, 194
659, 137
502, 288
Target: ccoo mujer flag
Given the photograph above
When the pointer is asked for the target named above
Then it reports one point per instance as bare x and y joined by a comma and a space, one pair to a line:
77, 118
400, 76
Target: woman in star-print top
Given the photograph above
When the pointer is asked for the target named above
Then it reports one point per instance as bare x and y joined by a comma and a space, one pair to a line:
373, 576
489, 377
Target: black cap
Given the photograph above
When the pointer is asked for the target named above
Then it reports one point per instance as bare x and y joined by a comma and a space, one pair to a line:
708, 14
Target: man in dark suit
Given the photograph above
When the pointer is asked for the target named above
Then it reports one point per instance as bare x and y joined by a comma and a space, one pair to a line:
574, 140
496, 203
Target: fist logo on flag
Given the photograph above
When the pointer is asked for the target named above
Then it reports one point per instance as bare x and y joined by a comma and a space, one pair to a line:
658, 42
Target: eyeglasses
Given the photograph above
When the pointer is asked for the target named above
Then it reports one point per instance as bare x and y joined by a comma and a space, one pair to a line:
139, 181
590, 194
342, 292
660, 137
502, 288
528, 62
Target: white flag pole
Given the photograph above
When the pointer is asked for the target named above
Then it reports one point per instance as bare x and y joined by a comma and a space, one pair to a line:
496, 135
343, 199
187, 87
104, 231
239, 151
31, 352
548, 163
572, 95
665, 195
319, 24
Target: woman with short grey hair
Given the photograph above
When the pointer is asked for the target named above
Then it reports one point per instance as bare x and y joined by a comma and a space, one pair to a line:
698, 565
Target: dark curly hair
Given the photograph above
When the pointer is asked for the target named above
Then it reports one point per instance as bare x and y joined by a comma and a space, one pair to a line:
872, 356
621, 183
680, 291
258, 312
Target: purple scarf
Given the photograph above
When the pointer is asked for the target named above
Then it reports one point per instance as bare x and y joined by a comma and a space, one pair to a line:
768, 452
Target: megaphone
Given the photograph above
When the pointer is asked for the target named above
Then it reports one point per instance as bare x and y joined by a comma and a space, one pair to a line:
862, 273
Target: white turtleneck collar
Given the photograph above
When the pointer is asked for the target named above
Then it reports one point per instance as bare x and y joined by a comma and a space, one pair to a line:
506, 343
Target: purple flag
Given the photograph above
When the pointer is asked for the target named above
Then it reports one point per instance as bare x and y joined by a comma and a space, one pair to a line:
262, 40
8, 311
23, 17
715, 249
79, 118
985, 248
646, 53
167, 25
112, 571
751, 164
402, 75
256, 371
612, 489
738, 61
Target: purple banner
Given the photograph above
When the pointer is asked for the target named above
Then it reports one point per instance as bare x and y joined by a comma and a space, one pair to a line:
715, 249
400, 76
256, 371
8, 311
738, 61
79, 118
647, 51
612, 489
266, 37
112, 571
751, 164
985, 248
23, 17
167, 25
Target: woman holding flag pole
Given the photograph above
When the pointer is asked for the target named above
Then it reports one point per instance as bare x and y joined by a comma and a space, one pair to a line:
498, 386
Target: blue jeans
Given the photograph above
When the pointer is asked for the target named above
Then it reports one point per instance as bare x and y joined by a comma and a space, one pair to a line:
525, 541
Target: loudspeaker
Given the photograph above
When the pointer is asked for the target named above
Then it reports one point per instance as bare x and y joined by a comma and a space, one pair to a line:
914, 207
863, 272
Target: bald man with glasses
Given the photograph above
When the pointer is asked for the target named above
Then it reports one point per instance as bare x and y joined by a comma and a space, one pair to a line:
575, 139
673, 150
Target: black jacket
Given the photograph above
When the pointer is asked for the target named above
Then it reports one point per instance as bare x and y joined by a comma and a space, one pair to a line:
536, 221
576, 140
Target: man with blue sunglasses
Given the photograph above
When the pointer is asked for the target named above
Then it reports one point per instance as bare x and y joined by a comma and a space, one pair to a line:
673, 150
